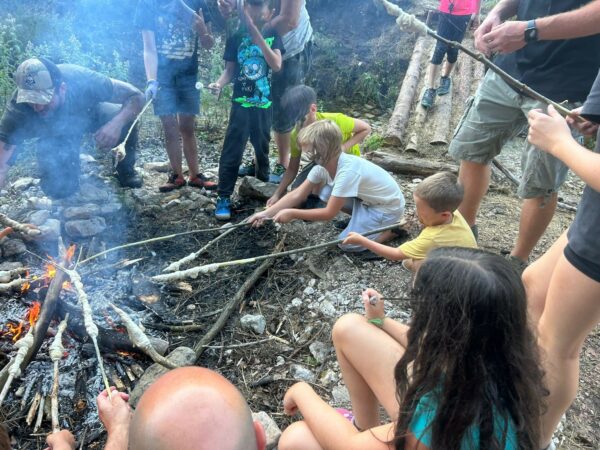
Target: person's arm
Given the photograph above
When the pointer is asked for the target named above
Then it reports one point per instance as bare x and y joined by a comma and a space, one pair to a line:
289, 200
334, 206
204, 31
501, 12
132, 101
225, 77
361, 130
115, 414
550, 133
391, 253
226, 7
150, 55
6, 152
288, 17
397, 331
61, 440
272, 56
288, 178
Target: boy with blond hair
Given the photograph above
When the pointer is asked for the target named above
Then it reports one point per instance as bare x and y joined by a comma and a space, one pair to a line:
436, 202
346, 183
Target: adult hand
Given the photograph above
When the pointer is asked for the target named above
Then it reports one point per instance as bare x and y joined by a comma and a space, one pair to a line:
475, 22
548, 132
151, 90
375, 311
108, 135
226, 7
491, 21
354, 238
274, 199
290, 407
586, 128
61, 440
507, 37
114, 413
284, 216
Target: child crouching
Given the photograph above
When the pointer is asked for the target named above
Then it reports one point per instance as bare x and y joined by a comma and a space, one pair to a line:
436, 201
346, 183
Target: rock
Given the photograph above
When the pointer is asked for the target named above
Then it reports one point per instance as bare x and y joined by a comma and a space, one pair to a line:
301, 373
319, 350
162, 166
12, 247
254, 188
272, 431
38, 217
85, 228
280, 361
182, 356
328, 378
340, 395
23, 183
84, 157
296, 303
40, 202
327, 308
8, 265
89, 193
50, 230
309, 291
200, 201
254, 322
90, 210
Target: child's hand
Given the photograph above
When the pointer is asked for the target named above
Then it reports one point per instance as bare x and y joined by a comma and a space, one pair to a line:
373, 311
200, 24
548, 132
258, 219
290, 407
61, 440
354, 239
587, 128
215, 88
284, 216
274, 199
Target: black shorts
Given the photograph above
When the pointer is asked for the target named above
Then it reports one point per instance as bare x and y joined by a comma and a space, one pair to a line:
453, 28
590, 269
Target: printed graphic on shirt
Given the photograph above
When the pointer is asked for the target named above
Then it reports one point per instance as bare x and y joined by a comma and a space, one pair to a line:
254, 76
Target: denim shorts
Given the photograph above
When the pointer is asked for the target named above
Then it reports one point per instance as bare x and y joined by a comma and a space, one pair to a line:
177, 94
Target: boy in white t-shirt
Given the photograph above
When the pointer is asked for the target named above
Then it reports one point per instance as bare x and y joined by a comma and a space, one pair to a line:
347, 183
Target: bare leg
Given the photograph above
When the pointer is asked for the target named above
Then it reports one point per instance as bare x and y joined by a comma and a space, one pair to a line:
173, 143
282, 140
367, 356
447, 69
536, 279
190, 148
536, 214
572, 311
298, 437
432, 74
475, 179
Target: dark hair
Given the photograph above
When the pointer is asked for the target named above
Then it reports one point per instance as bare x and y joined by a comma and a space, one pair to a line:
54, 71
469, 345
441, 191
296, 102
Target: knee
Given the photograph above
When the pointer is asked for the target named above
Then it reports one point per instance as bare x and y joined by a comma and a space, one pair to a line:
295, 437
345, 328
438, 54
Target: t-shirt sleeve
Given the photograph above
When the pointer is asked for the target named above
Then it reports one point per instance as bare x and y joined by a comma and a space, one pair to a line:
346, 184
95, 86
277, 40
317, 175
145, 14
420, 425
346, 124
418, 247
231, 49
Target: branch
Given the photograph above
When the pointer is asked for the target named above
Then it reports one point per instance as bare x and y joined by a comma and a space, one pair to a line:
26, 229
56, 353
23, 345
119, 151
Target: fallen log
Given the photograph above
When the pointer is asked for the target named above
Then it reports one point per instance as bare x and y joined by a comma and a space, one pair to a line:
409, 166
413, 141
463, 81
397, 124
442, 114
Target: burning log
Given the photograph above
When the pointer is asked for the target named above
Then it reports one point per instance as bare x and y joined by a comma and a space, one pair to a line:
119, 151
14, 368
56, 353
140, 340
26, 229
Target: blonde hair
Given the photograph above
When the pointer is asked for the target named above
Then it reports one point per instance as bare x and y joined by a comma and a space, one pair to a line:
441, 191
324, 139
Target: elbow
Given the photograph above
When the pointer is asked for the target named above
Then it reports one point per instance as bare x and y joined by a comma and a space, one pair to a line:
292, 23
277, 65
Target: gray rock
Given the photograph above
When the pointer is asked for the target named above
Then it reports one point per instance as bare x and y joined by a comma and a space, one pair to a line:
296, 303
12, 247
254, 322
86, 158
254, 188
327, 308
162, 167
340, 395
92, 194
319, 350
280, 361
85, 228
328, 378
50, 230
309, 291
38, 217
40, 202
272, 431
9, 265
182, 356
80, 212
301, 373
23, 183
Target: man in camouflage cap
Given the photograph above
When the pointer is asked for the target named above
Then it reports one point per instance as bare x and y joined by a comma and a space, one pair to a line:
58, 105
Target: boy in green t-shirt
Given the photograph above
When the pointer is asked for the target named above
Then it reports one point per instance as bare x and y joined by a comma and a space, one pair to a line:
436, 201
300, 104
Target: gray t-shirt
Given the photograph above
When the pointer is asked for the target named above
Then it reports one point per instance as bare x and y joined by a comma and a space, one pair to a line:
295, 40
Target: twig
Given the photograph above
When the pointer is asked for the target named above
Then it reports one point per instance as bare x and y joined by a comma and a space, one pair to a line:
405, 20
208, 268
244, 344
12, 285
26, 229
140, 340
7, 275
23, 345
120, 151
40, 414
307, 343
234, 303
56, 353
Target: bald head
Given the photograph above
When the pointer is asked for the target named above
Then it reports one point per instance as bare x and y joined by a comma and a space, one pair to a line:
193, 408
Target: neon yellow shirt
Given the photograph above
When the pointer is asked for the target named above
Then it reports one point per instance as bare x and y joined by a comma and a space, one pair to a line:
454, 234
345, 123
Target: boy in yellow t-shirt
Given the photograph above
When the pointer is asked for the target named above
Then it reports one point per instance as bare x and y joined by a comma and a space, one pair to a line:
300, 104
436, 201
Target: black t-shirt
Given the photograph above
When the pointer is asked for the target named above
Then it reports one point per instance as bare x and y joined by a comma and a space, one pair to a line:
252, 78
591, 107
176, 38
85, 89
561, 70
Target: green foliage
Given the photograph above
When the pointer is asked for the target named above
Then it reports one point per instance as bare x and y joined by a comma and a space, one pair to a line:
373, 142
10, 52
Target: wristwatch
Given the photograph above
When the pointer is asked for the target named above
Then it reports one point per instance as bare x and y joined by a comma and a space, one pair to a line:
531, 32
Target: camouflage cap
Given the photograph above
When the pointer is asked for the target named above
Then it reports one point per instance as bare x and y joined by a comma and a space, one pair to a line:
34, 83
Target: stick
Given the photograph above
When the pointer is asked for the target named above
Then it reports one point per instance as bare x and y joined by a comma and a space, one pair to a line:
405, 20
208, 268
7, 275
23, 345
13, 285
119, 151
140, 340
40, 414
56, 353
234, 303
27, 229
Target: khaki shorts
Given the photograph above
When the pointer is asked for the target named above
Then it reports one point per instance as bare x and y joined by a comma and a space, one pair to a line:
496, 114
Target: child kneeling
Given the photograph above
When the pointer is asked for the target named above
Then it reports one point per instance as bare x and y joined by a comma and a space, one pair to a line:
347, 183
436, 201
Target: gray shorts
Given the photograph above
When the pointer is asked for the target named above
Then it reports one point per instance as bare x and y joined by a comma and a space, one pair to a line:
496, 114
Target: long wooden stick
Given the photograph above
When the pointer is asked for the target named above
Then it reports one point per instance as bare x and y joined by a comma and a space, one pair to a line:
208, 268
56, 353
7, 275
23, 228
405, 20
23, 345
120, 151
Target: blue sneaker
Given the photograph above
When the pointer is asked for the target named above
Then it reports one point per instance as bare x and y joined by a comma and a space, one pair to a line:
247, 170
223, 210
445, 83
277, 173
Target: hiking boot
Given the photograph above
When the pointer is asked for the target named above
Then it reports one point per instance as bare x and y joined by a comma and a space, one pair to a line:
247, 170
428, 98
129, 178
277, 173
445, 83
517, 263
174, 182
200, 181
223, 210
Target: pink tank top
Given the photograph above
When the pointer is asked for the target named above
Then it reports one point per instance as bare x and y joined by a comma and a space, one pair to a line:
458, 7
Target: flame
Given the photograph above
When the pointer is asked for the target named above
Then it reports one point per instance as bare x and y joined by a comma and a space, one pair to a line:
14, 330
31, 316
33, 313
25, 287
50, 271
67, 285
70, 253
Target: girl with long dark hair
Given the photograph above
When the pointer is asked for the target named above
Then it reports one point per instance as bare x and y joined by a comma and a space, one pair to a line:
464, 375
